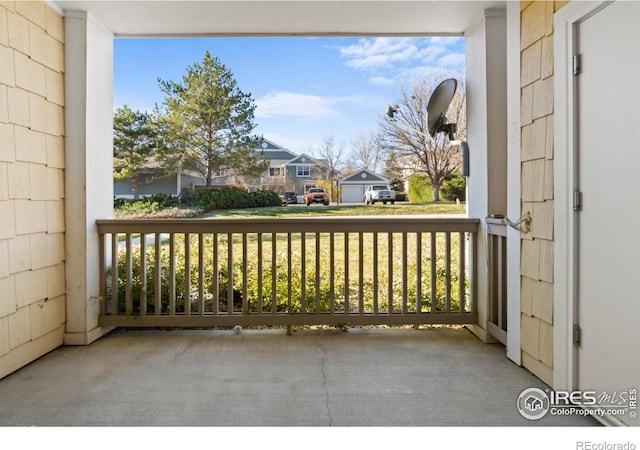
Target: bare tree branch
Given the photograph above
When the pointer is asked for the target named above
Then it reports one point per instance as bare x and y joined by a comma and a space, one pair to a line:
366, 152
407, 133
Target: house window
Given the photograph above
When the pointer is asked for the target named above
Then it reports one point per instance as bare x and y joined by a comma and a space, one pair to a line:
275, 171
303, 170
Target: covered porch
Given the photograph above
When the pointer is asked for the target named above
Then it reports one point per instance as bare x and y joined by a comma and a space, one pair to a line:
420, 377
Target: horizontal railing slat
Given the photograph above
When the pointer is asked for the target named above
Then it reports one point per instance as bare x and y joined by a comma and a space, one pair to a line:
285, 319
401, 224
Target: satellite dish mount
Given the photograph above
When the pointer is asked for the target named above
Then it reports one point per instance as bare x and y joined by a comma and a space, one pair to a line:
438, 106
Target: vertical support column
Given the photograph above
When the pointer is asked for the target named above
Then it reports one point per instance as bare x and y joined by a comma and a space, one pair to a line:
89, 162
487, 139
513, 181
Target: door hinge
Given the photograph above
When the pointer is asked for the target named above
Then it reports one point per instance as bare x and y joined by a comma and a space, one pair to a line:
576, 64
577, 334
577, 200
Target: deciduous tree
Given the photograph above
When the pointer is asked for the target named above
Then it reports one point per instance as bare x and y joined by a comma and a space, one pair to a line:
366, 151
407, 132
332, 155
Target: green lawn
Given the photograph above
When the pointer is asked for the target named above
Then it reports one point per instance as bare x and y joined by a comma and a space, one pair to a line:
340, 210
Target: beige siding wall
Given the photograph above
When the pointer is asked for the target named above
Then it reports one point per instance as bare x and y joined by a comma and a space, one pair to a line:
536, 115
32, 253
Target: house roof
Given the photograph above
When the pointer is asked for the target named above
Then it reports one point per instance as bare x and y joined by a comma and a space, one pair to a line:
275, 152
306, 159
364, 176
278, 155
270, 145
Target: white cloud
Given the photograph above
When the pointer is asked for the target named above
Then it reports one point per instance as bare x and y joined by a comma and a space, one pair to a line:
282, 103
431, 53
382, 81
398, 57
305, 106
452, 60
444, 40
379, 52
427, 72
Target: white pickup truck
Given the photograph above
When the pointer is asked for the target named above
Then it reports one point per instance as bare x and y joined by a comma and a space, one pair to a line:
379, 193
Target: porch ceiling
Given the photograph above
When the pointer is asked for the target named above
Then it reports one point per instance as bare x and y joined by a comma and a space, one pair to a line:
277, 17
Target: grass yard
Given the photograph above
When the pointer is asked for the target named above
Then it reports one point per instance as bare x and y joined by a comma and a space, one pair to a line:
341, 210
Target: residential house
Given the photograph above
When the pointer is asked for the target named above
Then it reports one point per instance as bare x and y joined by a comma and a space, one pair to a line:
149, 183
275, 178
288, 171
550, 113
304, 171
354, 185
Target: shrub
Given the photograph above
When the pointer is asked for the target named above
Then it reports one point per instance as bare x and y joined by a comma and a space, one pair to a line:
119, 202
420, 190
212, 199
454, 187
135, 206
229, 187
145, 204
163, 200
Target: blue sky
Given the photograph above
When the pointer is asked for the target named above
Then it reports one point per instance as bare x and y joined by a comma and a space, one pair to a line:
305, 88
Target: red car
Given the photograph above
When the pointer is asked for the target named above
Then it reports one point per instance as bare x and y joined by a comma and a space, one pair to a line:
316, 195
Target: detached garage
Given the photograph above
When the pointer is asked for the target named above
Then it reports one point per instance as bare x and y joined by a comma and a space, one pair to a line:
354, 185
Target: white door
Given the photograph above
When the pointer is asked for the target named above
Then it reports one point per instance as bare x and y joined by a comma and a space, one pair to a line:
609, 221
352, 193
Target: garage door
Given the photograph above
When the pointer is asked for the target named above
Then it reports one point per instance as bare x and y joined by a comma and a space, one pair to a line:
353, 193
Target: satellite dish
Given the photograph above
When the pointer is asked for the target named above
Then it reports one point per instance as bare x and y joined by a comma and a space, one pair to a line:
438, 106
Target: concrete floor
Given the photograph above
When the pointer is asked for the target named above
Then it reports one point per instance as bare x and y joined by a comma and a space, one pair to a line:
365, 377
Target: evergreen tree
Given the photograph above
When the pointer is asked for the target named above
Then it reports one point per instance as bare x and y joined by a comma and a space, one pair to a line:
207, 124
393, 171
133, 145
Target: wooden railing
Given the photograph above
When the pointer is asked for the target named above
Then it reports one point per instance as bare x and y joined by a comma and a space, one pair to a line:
497, 254
333, 271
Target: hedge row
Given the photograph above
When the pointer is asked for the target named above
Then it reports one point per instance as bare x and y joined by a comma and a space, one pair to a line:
212, 199
147, 204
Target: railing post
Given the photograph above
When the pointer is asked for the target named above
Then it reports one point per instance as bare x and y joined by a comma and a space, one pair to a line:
497, 279
103, 274
114, 273
474, 272
418, 273
143, 274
